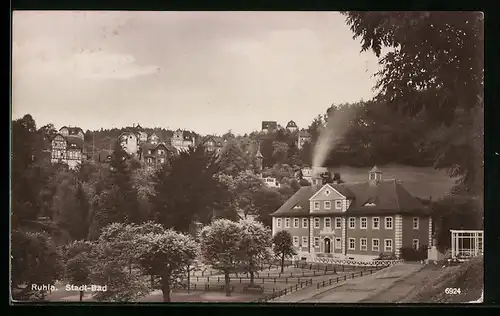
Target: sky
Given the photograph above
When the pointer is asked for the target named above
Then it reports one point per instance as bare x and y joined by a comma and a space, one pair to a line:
209, 72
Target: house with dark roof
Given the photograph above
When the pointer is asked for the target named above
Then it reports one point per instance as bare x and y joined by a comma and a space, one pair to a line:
213, 143
155, 155
291, 126
354, 220
67, 146
130, 142
183, 140
268, 126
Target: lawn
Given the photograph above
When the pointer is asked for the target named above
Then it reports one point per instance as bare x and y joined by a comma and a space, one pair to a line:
269, 281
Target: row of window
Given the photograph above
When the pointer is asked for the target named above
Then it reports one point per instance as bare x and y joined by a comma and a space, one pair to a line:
59, 143
389, 223
57, 154
160, 152
363, 243
152, 160
327, 205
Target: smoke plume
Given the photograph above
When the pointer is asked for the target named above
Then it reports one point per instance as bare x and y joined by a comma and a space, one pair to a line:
334, 130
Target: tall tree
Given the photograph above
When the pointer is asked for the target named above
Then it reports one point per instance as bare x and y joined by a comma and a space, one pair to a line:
242, 190
78, 264
267, 201
112, 255
187, 189
267, 151
306, 153
255, 242
220, 246
25, 185
283, 246
280, 151
35, 260
70, 209
232, 158
119, 202
435, 67
167, 255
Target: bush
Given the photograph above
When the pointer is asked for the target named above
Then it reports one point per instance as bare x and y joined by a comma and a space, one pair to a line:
411, 254
386, 256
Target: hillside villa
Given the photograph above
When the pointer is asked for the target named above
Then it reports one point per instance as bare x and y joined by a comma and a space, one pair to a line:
67, 146
354, 220
214, 143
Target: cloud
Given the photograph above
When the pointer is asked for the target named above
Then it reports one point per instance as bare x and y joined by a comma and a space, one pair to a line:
103, 65
45, 59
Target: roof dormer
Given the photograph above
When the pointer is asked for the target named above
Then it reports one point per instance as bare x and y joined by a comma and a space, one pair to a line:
374, 176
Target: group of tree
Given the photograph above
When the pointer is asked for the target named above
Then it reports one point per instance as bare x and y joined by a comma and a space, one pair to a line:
192, 186
129, 261
65, 205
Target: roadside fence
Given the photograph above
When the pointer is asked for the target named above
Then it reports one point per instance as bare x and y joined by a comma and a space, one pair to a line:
278, 293
347, 276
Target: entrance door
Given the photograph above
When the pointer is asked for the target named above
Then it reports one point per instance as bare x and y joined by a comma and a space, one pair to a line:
328, 248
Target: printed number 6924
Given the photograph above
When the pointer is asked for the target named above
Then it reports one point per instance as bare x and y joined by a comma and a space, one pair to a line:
452, 291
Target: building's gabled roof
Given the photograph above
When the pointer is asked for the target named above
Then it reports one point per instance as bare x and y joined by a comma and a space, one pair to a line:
73, 130
300, 199
258, 154
74, 142
128, 132
291, 124
388, 197
375, 170
167, 146
153, 135
218, 141
153, 147
58, 134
